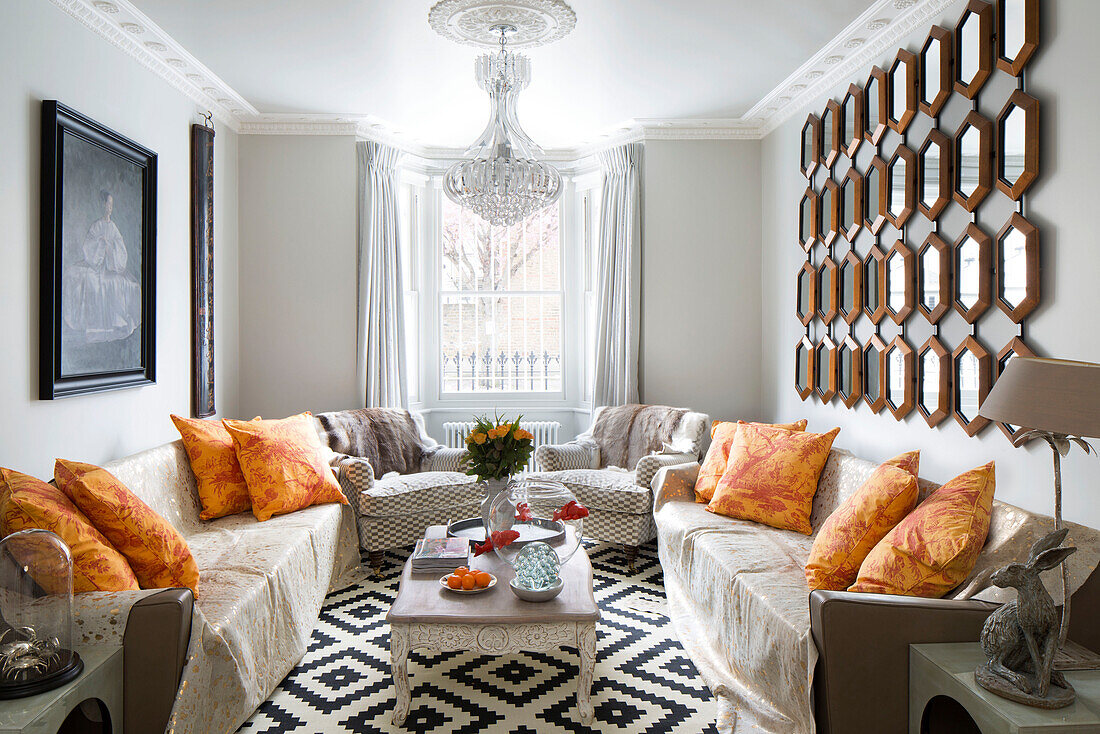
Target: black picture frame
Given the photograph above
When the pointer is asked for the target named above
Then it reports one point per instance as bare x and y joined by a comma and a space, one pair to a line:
67, 132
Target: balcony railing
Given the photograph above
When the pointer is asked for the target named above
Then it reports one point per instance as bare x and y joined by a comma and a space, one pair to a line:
501, 371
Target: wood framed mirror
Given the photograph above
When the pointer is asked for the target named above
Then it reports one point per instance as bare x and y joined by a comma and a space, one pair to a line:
874, 284
804, 371
852, 124
1018, 144
825, 362
973, 170
808, 220
936, 71
876, 106
901, 185
973, 378
1017, 34
831, 124
849, 371
934, 161
934, 279
852, 209
851, 287
933, 381
902, 91
806, 294
1017, 263
973, 267
828, 207
901, 282
1015, 348
973, 48
898, 382
811, 145
874, 373
875, 188
828, 290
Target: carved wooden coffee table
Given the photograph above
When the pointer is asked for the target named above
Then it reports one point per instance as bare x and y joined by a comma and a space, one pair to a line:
495, 622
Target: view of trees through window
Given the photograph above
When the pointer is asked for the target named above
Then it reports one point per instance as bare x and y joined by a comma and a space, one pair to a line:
501, 300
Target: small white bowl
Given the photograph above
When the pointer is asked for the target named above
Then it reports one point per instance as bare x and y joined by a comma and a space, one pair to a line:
475, 590
539, 595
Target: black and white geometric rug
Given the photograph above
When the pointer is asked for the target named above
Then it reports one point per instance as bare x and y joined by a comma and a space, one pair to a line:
643, 681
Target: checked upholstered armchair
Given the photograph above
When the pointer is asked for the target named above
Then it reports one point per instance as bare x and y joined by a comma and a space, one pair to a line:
611, 466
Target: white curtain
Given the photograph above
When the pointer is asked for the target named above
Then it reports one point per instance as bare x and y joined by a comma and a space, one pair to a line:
381, 339
620, 273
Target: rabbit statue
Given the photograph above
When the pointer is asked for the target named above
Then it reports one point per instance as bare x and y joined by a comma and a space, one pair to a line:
1021, 637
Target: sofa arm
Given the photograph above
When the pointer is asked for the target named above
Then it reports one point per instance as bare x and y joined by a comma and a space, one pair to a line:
863, 646
356, 477
572, 455
153, 655
649, 465
443, 458
675, 484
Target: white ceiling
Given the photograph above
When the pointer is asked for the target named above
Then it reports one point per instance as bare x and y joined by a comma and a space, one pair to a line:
627, 59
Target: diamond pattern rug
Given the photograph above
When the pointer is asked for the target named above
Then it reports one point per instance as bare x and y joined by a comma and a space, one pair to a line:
643, 683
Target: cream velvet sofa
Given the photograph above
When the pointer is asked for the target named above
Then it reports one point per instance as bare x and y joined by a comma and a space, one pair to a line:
780, 659
260, 591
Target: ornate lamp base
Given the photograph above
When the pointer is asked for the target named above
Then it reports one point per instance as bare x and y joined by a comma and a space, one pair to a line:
1056, 698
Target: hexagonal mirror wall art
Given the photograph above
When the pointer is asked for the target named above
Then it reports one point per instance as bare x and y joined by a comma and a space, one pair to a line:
973, 266
898, 381
933, 381
851, 287
934, 281
874, 194
874, 284
934, 169
1017, 34
900, 282
850, 371
852, 124
973, 48
1015, 348
828, 207
935, 71
828, 287
804, 367
903, 91
831, 130
875, 100
1018, 144
901, 181
806, 297
851, 204
811, 145
808, 220
973, 170
1017, 268
825, 362
874, 372
972, 363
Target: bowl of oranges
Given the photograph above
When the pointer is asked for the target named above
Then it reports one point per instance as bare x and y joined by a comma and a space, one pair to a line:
468, 581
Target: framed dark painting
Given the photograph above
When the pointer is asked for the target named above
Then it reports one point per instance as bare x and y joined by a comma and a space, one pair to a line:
202, 271
98, 262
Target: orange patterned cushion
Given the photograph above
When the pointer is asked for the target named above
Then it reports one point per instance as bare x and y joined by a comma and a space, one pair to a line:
934, 549
156, 551
714, 464
222, 489
771, 476
282, 463
861, 521
31, 503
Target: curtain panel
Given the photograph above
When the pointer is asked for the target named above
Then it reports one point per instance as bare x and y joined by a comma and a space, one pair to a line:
620, 273
381, 312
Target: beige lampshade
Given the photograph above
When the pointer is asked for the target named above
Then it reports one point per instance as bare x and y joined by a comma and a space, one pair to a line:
1047, 394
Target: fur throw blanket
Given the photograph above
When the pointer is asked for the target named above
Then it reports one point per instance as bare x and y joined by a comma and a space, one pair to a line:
387, 437
626, 433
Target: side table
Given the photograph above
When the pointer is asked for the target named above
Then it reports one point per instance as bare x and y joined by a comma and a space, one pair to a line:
944, 697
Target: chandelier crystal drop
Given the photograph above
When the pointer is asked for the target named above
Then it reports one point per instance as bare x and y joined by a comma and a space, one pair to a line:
503, 181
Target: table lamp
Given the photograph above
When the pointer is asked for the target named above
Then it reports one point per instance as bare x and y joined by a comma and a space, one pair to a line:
1059, 401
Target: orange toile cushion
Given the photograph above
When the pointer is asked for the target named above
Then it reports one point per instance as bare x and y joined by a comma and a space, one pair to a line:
771, 476
282, 463
714, 464
222, 488
935, 547
30, 503
861, 521
157, 553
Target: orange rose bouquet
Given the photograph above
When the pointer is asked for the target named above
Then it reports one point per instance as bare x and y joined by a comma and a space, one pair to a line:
497, 448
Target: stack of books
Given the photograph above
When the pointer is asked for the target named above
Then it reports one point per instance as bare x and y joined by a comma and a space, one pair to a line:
440, 554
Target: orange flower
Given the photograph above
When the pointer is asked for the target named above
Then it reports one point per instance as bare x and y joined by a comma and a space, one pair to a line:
478, 438
523, 435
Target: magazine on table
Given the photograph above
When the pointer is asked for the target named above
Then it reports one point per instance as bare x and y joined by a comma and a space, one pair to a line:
440, 554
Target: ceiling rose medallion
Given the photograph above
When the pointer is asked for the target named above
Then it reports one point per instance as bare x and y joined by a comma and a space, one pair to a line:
474, 22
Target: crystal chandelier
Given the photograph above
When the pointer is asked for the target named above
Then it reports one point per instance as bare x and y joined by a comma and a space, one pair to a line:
502, 181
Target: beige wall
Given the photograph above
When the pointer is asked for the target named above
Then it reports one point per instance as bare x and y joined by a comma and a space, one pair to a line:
1061, 76
46, 54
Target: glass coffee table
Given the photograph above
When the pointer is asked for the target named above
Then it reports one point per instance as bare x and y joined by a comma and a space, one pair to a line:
496, 622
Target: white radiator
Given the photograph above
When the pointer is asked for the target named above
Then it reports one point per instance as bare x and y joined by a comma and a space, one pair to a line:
545, 432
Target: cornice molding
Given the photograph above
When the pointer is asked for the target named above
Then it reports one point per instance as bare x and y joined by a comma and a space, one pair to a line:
865, 39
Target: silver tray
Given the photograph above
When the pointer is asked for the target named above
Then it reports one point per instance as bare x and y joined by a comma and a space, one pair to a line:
548, 531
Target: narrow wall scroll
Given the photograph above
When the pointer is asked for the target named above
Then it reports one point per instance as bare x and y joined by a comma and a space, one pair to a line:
202, 270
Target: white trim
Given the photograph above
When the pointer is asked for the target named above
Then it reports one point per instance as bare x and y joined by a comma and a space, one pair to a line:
866, 38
